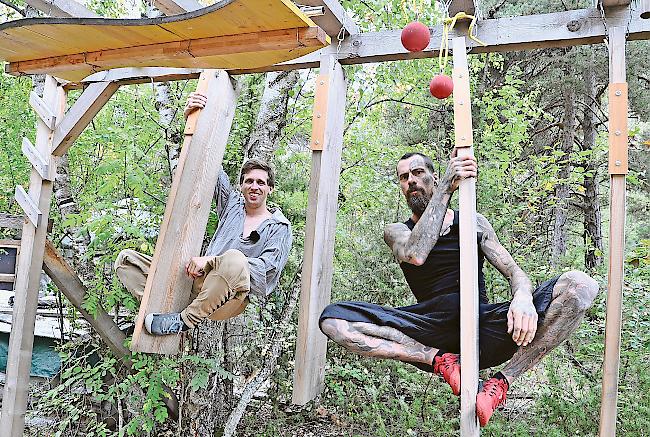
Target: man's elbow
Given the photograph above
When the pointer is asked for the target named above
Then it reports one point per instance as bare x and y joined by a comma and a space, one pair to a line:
415, 260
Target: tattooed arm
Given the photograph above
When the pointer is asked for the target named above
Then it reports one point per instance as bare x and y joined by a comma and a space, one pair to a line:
414, 246
522, 316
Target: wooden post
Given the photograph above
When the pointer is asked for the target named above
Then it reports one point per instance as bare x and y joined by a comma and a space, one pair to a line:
618, 138
28, 273
168, 287
468, 247
311, 345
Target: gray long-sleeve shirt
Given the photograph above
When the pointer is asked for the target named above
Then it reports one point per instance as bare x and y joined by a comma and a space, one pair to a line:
267, 248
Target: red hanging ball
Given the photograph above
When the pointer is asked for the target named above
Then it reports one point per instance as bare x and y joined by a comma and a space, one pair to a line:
415, 37
441, 86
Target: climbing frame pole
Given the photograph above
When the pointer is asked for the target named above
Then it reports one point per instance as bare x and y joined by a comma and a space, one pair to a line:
36, 205
468, 246
618, 143
168, 287
317, 269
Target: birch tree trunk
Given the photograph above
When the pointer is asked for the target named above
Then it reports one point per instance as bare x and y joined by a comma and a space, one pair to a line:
592, 234
236, 345
562, 188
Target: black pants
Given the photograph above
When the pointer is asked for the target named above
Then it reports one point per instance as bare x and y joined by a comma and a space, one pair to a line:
436, 322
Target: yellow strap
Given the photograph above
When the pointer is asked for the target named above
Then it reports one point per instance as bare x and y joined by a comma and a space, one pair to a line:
448, 24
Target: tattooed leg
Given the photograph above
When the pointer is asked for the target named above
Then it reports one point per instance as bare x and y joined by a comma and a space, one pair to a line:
573, 293
377, 341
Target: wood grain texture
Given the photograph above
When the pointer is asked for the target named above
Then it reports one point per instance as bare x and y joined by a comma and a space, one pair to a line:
28, 274
82, 112
186, 213
39, 163
42, 110
468, 248
316, 282
229, 34
615, 275
501, 35
28, 205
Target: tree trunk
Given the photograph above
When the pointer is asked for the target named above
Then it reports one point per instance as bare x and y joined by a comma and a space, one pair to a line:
562, 188
272, 117
592, 234
237, 343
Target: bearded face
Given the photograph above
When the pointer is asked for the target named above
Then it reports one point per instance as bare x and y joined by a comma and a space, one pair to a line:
417, 199
417, 182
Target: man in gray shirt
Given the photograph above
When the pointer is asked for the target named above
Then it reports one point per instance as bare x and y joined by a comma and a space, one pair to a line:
246, 255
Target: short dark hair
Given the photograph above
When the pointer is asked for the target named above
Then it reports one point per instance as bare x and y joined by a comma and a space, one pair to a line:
427, 161
257, 164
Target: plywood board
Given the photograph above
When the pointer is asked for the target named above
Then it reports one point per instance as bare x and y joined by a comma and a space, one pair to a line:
229, 34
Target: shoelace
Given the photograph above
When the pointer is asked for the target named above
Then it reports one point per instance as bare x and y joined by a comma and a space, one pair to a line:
492, 388
168, 324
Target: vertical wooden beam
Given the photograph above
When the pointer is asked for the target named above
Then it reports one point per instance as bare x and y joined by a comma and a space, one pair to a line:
618, 136
28, 273
188, 206
468, 247
311, 345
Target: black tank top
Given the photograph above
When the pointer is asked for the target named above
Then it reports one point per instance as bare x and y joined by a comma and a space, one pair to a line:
440, 273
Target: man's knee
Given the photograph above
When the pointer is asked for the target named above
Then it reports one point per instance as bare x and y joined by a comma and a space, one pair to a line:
232, 265
120, 261
328, 327
578, 287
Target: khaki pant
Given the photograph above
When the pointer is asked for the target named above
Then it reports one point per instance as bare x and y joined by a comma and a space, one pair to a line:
221, 293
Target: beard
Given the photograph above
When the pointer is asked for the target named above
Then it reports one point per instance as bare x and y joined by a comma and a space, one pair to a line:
417, 201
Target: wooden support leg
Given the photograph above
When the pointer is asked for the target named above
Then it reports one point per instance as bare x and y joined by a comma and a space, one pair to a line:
468, 247
168, 288
71, 286
21, 340
618, 138
329, 115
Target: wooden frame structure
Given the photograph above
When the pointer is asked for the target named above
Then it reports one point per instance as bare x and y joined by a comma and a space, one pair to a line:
58, 129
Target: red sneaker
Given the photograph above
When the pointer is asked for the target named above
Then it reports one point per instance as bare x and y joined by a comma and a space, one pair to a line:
490, 397
448, 365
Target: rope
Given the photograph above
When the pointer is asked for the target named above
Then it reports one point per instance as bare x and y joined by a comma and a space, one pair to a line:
448, 24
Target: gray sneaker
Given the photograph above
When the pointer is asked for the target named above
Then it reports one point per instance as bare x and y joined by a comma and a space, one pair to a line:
164, 324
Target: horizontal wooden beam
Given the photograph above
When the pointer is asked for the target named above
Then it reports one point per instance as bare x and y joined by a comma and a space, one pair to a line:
334, 18
7, 277
11, 221
91, 101
62, 8
284, 39
559, 29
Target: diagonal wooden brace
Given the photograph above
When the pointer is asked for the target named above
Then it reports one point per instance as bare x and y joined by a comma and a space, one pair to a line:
81, 114
28, 205
42, 110
40, 164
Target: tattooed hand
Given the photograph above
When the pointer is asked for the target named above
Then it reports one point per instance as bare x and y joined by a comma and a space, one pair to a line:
522, 319
457, 170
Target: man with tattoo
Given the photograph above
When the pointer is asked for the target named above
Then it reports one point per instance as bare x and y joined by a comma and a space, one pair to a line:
427, 334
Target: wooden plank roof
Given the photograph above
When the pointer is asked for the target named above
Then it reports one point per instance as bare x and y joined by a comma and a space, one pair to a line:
229, 34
